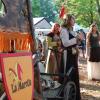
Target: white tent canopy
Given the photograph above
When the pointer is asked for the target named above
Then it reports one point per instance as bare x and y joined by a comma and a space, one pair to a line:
45, 31
78, 27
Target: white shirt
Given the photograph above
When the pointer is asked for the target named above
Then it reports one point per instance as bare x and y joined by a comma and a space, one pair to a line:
64, 35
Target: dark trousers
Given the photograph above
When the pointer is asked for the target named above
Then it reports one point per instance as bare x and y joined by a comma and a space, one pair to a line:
72, 61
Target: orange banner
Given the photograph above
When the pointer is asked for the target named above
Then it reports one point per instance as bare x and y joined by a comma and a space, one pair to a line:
20, 41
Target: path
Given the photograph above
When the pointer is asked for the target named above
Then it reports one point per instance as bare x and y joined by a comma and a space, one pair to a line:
90, 90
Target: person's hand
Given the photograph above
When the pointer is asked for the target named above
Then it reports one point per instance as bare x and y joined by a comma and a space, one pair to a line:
78, 40
58, 43
60, 49
80, 36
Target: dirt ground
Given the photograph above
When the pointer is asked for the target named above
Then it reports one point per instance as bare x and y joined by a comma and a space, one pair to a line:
90, 90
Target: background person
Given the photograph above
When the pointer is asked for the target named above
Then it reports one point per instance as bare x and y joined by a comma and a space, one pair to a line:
82, 42
53, 42
93, 52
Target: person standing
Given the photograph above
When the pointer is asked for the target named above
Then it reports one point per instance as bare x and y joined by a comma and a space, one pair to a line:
93, 52
82, 42
70, 54
53, 42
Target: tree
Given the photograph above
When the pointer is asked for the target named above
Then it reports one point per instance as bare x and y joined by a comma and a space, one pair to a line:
98, 6
84, 10
35, 8
48, 9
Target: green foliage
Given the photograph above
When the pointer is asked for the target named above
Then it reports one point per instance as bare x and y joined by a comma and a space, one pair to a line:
44, 8
35, 8
48, 9
85, 11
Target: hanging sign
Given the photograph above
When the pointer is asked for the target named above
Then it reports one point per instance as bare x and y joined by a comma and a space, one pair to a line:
17, 75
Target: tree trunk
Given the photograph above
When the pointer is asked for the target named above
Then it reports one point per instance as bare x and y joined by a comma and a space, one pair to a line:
91, 12
98, 6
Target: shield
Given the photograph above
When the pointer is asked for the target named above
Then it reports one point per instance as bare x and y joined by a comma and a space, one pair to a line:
17, 75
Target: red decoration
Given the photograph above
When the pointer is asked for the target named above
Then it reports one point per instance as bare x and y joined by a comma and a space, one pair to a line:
62, 12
